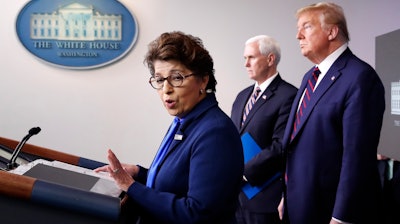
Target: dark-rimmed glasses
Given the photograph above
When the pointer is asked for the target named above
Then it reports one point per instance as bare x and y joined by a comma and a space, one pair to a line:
175, 80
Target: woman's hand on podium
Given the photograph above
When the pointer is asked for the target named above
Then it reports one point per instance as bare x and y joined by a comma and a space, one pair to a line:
122, 173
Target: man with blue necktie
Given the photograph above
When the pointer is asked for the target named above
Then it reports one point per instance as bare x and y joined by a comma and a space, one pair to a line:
264, 117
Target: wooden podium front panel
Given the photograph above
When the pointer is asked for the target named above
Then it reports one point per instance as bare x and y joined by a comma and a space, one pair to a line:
19, 211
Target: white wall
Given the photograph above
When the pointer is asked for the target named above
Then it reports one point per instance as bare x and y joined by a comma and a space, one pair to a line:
86, 112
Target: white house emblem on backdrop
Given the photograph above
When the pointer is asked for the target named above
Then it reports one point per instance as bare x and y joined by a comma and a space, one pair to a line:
80, 34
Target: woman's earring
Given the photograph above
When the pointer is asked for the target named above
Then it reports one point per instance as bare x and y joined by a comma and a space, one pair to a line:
201, 91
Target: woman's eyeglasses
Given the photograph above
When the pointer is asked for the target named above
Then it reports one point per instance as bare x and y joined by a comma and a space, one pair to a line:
175, 80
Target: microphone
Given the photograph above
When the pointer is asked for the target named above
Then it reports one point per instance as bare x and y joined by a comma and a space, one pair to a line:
12, 164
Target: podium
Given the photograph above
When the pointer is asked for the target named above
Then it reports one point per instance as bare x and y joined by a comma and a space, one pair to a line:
26, 199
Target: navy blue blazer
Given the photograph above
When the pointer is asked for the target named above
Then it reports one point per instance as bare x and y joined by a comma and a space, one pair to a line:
266, 123
199, 179
331, 162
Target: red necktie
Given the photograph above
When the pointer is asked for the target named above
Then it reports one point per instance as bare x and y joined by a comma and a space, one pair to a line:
250, 104
306, 99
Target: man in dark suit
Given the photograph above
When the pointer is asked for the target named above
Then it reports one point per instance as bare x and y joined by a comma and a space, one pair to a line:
389, 172
333, 130
265, 122
394, 192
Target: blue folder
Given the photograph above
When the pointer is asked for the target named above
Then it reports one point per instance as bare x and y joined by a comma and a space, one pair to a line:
250, 149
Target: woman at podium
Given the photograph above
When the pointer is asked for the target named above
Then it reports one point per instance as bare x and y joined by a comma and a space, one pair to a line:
196, 175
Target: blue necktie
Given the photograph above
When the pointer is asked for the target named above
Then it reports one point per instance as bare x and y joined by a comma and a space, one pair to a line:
250, 104
162, 151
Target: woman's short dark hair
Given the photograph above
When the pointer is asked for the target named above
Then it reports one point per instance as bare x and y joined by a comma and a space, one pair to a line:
185, 48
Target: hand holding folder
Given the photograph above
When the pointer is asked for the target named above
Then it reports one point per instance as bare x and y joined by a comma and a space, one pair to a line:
250, 149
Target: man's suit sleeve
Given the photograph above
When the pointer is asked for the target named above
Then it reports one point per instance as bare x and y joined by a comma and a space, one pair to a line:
362, 120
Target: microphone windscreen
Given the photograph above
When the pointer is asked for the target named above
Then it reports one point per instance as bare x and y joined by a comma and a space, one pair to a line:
34, 131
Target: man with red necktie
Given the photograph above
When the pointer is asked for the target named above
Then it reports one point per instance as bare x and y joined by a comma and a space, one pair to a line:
331, 172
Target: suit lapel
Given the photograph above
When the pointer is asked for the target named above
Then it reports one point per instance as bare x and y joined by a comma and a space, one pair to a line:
329, 79
265, 96
178, 138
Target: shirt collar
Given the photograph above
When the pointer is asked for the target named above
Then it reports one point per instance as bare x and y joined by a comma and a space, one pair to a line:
328, 61
204, 105
263, 86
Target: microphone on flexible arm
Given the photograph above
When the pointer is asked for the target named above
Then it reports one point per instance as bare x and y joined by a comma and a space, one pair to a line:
12, 164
